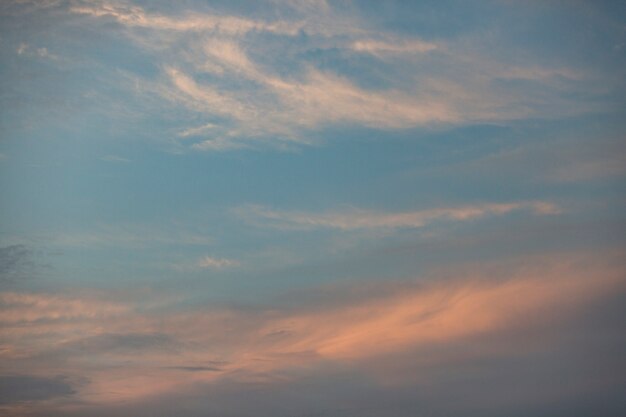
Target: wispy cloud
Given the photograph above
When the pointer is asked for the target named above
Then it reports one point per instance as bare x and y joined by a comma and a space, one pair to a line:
590, 168
34, 307
218, 144
568, 159
135, 16
211, 262
381, 47
115, 158
196, 131
318, 100
203, 263
286, 103
353, 219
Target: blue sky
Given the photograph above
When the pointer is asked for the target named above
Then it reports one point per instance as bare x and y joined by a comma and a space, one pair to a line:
326, 208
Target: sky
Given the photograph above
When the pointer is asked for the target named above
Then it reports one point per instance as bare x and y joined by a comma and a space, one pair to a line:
310, 208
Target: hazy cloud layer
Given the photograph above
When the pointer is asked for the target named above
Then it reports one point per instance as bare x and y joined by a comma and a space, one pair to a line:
169, 351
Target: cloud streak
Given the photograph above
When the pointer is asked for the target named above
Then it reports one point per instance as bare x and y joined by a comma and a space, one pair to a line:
355, 219
381, 48
210, 262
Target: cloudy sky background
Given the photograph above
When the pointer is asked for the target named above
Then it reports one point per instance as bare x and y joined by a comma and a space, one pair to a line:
309, 208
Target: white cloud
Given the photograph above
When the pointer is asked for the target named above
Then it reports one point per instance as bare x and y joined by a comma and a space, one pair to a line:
291, 106
323, 98
379, 48
27, 50
22, 48
218, 144
210, 262
229, 54
195, 131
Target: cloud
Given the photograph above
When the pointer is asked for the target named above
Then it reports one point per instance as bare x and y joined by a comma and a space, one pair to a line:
438, 314
607, 166
136, 351
135, 16
22, 48
16, 262
196, 368
570, 158
210, 262
381, 48
33, 307
229, 54
124, 343
354, 219
538, 73
326, 98
195, 131
115, 158
28, 50
24, 388
255, 90
290, 106
306, 6
205, 97
218, 144
205, 262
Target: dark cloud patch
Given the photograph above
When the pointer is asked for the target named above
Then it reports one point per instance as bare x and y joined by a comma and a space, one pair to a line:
128, 345
116, 342
16, 262
20, 388
196, 368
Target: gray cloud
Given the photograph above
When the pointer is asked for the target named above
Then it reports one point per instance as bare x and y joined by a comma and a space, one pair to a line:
19, 388
15, 262
120, 343
195, 368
